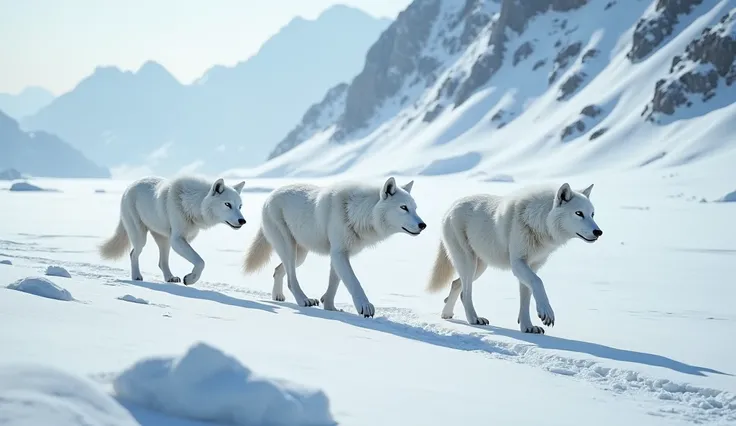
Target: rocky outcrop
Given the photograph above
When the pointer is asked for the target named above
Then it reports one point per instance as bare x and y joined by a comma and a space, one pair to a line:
706, 65
315, 119
515, 16
571, 85
523, 52
563, 58
389, 61
650, 32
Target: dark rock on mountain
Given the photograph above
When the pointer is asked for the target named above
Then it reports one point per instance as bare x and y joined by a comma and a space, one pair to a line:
695, 75
650, 33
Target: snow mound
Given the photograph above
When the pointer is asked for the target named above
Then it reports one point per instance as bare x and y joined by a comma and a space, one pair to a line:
5, 262
43, 396
133, 299
27, 187
206, 384
58, 271
729, 198
40, 286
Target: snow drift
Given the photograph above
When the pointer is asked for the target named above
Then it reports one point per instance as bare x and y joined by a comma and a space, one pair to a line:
43, 287
33, 395
206, 384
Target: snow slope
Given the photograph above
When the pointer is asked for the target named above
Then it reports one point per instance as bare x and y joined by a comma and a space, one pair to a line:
491, 87
643, 336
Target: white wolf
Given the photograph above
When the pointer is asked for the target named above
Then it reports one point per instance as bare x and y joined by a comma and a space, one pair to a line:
338, 221
174, 211
518, 232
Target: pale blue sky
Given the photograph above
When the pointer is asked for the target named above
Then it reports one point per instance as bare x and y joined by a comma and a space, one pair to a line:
56, 43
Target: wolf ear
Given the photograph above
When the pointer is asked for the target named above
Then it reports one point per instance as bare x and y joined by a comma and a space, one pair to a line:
408, 186
218, 187
239, 187
389, 188
564, 194
587, 190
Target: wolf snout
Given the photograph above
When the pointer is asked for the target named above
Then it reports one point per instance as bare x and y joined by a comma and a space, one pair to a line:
597, 232
241, 222
422, 226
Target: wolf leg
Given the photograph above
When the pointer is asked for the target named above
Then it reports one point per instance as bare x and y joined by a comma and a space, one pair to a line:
137, 235
183, 249
456, 288
328, 299
277, 293
340, 261
164, 247
528, 277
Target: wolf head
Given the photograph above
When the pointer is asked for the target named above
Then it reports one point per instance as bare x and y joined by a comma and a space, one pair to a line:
397, 210
222, 204
572, 214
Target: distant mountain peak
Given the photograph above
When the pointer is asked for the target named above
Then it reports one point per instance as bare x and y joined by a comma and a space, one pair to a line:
153, 69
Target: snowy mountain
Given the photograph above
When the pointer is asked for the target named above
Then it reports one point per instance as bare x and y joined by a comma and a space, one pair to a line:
230, 117
42, 154
485, 87
29, 101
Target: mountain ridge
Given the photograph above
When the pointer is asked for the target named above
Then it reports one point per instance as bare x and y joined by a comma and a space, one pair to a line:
514, 88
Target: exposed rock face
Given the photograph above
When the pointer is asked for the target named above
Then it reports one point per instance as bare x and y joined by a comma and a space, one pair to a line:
523, 52
562, 60
650, 33
316, 117
394, 56
571, 85
591, 111
598, 133
515, 16
577, 126
706, 64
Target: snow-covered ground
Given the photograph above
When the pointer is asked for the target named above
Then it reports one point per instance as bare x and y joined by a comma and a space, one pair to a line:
644, 330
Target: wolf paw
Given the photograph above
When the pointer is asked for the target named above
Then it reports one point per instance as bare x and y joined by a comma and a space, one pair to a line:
447, 315
174, 280
546, 314
137, 278
532, 329
279, 297
479, 321
329, 305
191, 278
309, 302
365, 308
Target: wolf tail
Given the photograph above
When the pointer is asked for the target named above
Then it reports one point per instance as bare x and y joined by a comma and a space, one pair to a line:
116, 246
258, 253
442, 271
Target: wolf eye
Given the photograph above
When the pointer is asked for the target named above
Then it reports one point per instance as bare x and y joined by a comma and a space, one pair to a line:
228, 205
404, 208
579, 213
592, 214
240, 207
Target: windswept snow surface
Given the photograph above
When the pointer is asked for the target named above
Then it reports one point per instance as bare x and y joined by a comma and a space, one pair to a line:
644, 330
